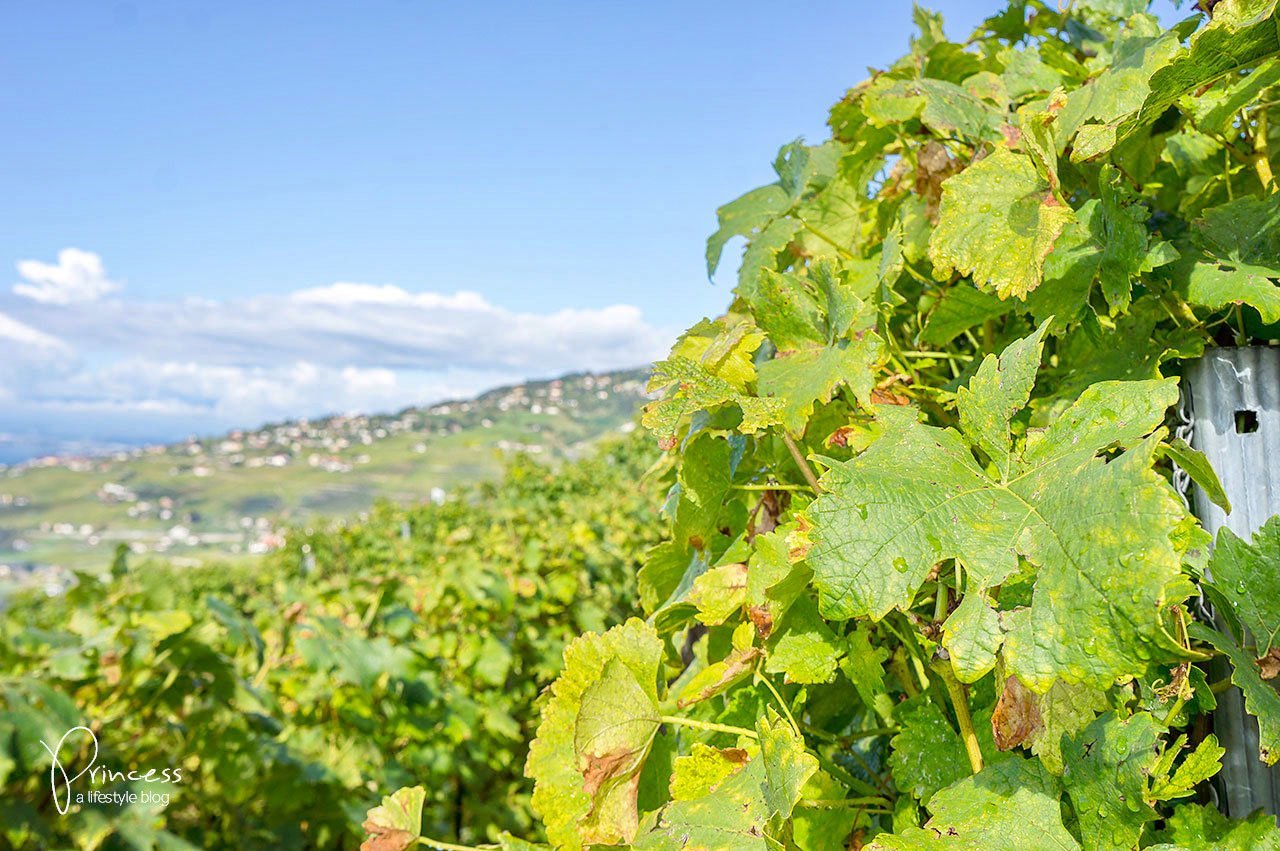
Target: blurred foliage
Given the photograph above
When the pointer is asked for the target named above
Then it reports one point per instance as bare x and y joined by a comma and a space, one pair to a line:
409, 645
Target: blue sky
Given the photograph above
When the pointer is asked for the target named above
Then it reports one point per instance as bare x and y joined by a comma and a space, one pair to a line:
274, 206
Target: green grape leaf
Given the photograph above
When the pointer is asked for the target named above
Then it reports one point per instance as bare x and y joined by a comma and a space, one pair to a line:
1260, 697
507, 842
1026, 71
960, 308
395, 824
1064, 710
802, 168
787, 310
1247, 575
795, 381
942, 106
1218, 108
1242, 239
746, 216
710, 365
997, 223
763, 250
725, 348
617, 720
845, 291
735, 810
1009, 806
809, 318
1201, 764
918, 496
972, 637
719, 677
706, 470
1215, 285
863, 664
1116, 8
698, 389
1105, 775
1036, 123
719, 593
928, 754
787, 767
1240, 34
1095, 110
773, 582
1072, 268
1197, 467
831, 220
1199, 827
803, 647
631, 654
1124, 243
996, 393
663, 567
1246, 230
705, 768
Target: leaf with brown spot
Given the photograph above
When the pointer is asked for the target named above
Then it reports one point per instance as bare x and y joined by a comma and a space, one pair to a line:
719, 677
396, 824
616, 723
762, 620
933, 166
704, 769
719, 593
840, 437
1016, 718
1269, 665
604, 701
887, 397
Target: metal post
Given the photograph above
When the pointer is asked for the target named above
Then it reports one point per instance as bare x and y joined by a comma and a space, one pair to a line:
1235, 400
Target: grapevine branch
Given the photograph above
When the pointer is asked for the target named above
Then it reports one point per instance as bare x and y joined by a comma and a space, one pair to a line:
451, 846
800, 460
960, 701
709, 726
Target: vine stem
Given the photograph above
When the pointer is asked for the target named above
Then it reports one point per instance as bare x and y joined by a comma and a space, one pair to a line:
855, 783
450, 846
856, 735
709, 726
760, 675
841, 803
935, 355
1174, 710
960, 701
770, 487
802, 462
1261, 154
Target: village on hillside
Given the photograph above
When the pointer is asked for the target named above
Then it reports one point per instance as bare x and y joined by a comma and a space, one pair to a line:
232, 496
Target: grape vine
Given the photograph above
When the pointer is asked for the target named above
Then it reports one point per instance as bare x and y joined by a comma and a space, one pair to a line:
407, 646
926, 582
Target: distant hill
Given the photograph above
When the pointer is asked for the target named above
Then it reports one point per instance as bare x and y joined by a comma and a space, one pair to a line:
225, 497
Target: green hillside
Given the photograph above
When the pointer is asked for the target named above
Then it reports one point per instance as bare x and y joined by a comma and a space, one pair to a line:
223, 497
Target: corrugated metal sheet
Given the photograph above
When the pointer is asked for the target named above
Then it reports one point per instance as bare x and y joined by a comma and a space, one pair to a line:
1235, 403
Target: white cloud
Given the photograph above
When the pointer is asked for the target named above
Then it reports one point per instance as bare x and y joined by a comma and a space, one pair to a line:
15, 333
233, 395
361, 325
242, 361
347, 294
78, 276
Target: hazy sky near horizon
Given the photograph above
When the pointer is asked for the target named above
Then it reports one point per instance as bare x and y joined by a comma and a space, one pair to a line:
219, 214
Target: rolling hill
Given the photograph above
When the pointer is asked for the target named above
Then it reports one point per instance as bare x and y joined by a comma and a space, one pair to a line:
225, 497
